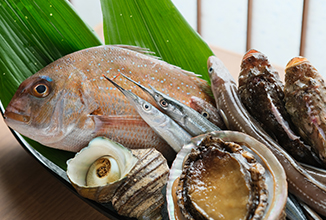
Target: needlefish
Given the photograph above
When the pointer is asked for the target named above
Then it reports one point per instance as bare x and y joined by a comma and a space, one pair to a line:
188, 118
162, 124
68, 103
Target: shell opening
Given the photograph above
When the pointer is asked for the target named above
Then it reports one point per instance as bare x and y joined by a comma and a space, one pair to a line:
82, 169
103, 171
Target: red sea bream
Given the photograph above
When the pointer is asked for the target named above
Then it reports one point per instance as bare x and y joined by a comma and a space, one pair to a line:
68, 102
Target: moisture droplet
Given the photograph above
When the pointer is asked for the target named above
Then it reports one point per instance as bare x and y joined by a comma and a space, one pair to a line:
26, 17
120, 14
50, 6
3, 73
50, 14
131, 16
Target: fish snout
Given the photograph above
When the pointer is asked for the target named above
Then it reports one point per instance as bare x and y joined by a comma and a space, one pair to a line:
12, 113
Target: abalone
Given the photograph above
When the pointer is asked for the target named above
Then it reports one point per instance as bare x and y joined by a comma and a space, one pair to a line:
225, 175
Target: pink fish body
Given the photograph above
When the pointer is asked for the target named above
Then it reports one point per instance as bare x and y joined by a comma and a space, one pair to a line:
68, 102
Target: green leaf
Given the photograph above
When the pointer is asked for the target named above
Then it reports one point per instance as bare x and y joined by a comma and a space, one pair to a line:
159, 26
34, 33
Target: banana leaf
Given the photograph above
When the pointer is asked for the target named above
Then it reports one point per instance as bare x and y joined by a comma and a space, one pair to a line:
34, 33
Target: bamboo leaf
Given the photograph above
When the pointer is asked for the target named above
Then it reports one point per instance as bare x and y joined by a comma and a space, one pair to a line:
159, 26
34, 33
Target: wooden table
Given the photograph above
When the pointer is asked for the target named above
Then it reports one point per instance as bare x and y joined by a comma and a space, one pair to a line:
29, 191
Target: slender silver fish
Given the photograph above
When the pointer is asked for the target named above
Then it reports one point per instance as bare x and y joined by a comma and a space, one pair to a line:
293, 209
188, 118
163, 125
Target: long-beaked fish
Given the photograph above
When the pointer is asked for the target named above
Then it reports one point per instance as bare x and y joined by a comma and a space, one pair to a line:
68, 103
188, 118
162, 124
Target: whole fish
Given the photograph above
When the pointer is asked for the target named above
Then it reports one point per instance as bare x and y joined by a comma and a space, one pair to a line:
305, 100
188, 118
162, 124
68, 102
208, 111
261, 91
305, 187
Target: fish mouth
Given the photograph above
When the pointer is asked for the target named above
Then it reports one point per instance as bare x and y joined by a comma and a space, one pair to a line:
296, 61
16, 116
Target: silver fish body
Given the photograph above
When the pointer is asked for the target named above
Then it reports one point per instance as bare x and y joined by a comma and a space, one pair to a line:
163, 125
188, 118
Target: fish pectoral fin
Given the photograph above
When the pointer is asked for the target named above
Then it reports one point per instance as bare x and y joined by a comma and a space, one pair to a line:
104, 123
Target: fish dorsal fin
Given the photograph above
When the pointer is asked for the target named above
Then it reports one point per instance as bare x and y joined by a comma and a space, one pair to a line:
137, 49
188, 73
146, 51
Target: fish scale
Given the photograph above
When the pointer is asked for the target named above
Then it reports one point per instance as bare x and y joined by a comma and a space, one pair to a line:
95, 107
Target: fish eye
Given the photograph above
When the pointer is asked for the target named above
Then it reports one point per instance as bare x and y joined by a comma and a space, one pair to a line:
146, 107
163, 103
40, 90
210, 70
205, 114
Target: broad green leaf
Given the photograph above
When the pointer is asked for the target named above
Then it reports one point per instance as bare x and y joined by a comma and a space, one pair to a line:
159, 26
34, 33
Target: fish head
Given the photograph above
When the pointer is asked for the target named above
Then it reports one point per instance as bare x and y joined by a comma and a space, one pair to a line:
44, 106
26, 108
167, 104
218, 73
147, 111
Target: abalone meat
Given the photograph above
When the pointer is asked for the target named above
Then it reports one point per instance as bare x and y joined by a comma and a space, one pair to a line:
225, 175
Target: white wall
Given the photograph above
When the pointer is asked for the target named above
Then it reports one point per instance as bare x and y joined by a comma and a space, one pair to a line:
276, 27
